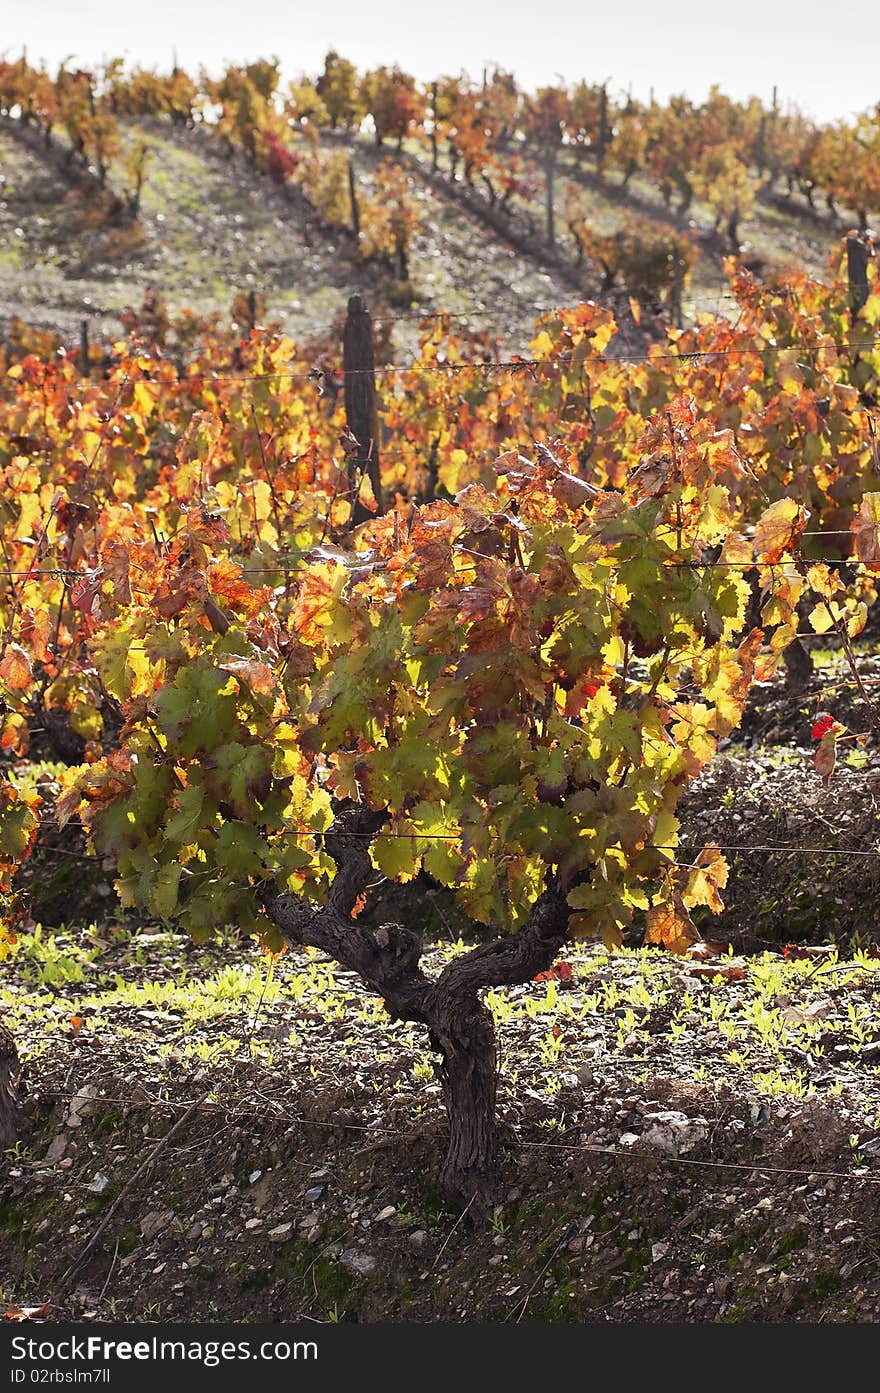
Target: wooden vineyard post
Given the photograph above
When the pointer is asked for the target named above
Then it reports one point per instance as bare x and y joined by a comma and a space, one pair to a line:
857, 255
358, 368
355, 206
252, 309
677, 288
434, 128
603, 123
84, 347
550, 176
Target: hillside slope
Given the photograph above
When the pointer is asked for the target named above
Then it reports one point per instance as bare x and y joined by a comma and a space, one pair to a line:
209, 229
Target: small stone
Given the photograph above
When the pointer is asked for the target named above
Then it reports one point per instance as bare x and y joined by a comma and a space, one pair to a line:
254, 1177
80, 1106
98, 1185
418, 1239
674, 1133
57, 1147
658, 1251
155, 1222
362, 1263
314, 1193
280, 1233
253, 1223
387, 1213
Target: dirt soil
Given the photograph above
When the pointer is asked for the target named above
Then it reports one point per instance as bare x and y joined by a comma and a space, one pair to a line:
688, 1141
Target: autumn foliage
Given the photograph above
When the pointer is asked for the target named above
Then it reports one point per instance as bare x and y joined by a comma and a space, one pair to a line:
522, 663
503, 682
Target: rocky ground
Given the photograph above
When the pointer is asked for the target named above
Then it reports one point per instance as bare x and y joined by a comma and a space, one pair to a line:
689, 1140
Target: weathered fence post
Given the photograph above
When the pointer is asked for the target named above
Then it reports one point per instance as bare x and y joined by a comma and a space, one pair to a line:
858, 253
550, 206
252, 309
434, 128
677, 288
355, 206
603, 122
761, 146
358, 368
84, 347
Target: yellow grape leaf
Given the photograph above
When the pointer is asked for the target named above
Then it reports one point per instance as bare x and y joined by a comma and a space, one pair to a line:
694, 732
396, 856
857, 619
542, 345
450, 472
340, 512
821, 618
782, 637
823, 580
728, 679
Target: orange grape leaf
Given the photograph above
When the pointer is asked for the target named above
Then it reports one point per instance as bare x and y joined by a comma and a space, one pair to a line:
866, 526
706, 878
670, 926
707, 948
825, 757
257, 676
728, 970
778, 529
24, 1313
559, 972
794, 952
15, 668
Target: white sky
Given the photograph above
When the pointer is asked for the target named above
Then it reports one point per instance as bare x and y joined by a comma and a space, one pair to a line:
823, 57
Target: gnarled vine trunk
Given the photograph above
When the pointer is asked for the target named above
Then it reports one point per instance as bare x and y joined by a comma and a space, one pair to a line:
9, 1080
463, 1035
459, 1025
